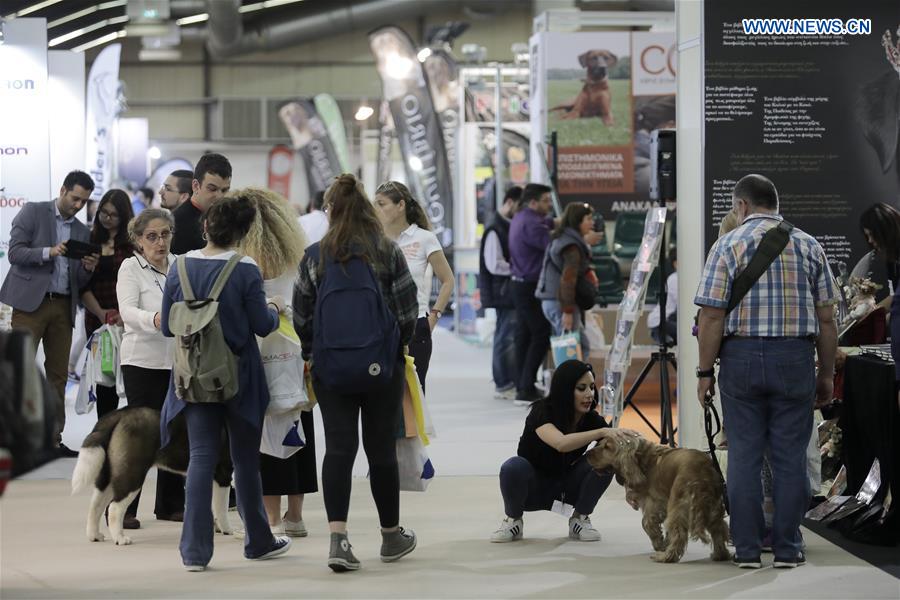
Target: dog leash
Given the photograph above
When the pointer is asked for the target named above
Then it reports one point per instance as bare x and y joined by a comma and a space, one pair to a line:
710, 414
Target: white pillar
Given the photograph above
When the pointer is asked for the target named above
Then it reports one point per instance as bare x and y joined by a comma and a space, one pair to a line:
689, 19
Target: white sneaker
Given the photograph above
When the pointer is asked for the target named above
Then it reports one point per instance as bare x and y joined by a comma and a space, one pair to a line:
580, 529
293, 528
510, 530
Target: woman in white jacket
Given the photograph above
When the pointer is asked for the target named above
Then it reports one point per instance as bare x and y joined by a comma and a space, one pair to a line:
145, 355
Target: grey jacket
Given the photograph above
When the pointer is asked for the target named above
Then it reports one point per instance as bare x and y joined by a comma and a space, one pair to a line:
28, 279
551, 271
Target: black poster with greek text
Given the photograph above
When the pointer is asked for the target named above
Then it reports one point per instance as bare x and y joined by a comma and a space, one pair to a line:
311, 140
810, 100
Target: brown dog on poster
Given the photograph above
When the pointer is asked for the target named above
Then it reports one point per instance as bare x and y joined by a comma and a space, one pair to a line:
594, 99
676, 488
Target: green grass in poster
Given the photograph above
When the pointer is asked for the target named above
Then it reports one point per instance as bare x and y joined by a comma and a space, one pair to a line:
590, 131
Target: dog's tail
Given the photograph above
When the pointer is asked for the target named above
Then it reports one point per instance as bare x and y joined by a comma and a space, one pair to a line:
92, 455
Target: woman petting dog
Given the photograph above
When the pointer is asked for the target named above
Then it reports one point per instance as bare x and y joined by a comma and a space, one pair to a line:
243, 313
550, 465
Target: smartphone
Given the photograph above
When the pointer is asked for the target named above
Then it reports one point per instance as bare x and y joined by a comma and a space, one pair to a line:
78, 249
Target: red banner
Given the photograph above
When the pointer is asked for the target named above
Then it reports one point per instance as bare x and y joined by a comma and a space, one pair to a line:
281, 165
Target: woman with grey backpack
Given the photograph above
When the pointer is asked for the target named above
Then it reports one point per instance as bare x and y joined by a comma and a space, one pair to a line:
214, 304
355, 309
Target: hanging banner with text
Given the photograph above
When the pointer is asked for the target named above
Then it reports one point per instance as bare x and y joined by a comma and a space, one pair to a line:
810, 98
602, 93
24, 133
418, 129
103, 106
311, 140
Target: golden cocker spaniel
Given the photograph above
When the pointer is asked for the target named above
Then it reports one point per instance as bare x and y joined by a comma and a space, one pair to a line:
676, 488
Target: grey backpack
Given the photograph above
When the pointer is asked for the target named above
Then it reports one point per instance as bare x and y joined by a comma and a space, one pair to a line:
205, 370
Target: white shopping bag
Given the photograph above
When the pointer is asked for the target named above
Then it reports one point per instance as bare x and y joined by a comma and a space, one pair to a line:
282, 434
283, 364
416, 471
87, 397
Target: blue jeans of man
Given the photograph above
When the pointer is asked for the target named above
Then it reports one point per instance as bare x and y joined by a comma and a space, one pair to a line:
553, 311
768, 388
204, 425
503, 364
524, 488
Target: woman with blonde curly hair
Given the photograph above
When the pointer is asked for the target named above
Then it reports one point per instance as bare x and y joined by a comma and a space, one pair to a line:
276, 242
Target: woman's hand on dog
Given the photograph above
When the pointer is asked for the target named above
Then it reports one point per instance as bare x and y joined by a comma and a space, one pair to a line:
619, 436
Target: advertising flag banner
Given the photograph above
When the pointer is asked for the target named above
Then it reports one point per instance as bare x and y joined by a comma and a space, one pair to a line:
104, 102
280, 167
419, 131
24, 130
330, 113
443, 81
310, 138
386, 135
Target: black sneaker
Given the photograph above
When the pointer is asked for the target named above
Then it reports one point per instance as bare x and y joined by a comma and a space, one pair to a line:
746, 563
64, 451
790, 563
340, 556
282, 544
527, 398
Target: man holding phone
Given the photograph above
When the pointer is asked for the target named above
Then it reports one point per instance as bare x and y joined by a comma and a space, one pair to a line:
44, 281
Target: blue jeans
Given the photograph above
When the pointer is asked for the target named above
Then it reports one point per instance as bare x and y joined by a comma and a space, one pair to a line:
523, 488
553, 312
503, 364
768, 390
204, 425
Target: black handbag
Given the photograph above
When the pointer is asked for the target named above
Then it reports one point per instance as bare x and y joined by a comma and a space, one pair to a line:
585, 293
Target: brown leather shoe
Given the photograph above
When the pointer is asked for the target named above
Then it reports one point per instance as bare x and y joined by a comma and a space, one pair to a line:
130, 523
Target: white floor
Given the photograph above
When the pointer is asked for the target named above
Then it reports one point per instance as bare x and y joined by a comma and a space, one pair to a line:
44, 554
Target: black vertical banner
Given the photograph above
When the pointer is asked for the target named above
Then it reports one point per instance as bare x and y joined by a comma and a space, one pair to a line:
815, 112
417, 127
310, 138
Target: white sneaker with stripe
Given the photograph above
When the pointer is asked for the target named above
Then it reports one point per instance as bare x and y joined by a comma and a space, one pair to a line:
580, 529
510, 530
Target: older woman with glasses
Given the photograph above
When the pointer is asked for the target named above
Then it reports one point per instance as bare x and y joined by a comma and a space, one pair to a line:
99, 297
146, 355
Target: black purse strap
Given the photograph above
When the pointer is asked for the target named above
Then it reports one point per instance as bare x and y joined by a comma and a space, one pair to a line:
770, 247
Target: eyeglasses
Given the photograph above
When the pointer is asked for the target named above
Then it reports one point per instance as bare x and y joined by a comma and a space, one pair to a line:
107, 215
154, 237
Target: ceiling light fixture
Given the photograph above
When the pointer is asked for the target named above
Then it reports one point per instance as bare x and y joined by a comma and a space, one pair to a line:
364, 112
192, 19
80, 32
33, 9
85, 12
100, 41
268, 4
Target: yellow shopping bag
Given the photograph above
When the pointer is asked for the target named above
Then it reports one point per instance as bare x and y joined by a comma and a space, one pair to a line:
415, 392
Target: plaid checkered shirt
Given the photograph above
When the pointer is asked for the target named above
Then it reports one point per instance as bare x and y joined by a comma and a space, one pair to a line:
783, 302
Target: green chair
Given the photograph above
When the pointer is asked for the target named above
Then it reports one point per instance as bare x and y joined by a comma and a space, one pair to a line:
610, 290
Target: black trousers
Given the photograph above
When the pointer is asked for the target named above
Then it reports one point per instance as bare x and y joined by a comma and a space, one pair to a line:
379, 407
532, 334
107, 400
420, 349
148, 388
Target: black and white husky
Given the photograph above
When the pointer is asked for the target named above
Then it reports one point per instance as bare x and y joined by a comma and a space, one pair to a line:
116, 456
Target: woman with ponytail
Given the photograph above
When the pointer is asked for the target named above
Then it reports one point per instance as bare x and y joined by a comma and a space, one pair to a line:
354, 233
243, 313
405, 222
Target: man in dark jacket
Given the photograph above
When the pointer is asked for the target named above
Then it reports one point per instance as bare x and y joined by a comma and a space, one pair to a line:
529, 235
494, 278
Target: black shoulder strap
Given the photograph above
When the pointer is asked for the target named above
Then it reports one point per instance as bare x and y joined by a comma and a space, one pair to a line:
770, 247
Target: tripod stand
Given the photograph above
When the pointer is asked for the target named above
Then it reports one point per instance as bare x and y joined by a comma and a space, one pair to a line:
663, 166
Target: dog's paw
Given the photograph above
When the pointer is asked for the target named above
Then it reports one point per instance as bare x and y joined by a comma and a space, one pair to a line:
720, 556
96, 537
664, 557
224, 528
123, 540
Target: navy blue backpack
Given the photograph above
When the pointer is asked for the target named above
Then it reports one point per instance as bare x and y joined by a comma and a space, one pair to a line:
356, 339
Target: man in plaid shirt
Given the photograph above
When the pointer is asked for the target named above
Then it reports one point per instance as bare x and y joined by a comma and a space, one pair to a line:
767, 350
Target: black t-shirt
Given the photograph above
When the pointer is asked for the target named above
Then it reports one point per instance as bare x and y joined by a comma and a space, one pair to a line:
545, 459
188, 234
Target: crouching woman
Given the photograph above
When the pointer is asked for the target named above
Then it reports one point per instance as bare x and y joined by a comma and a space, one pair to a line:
550, 465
